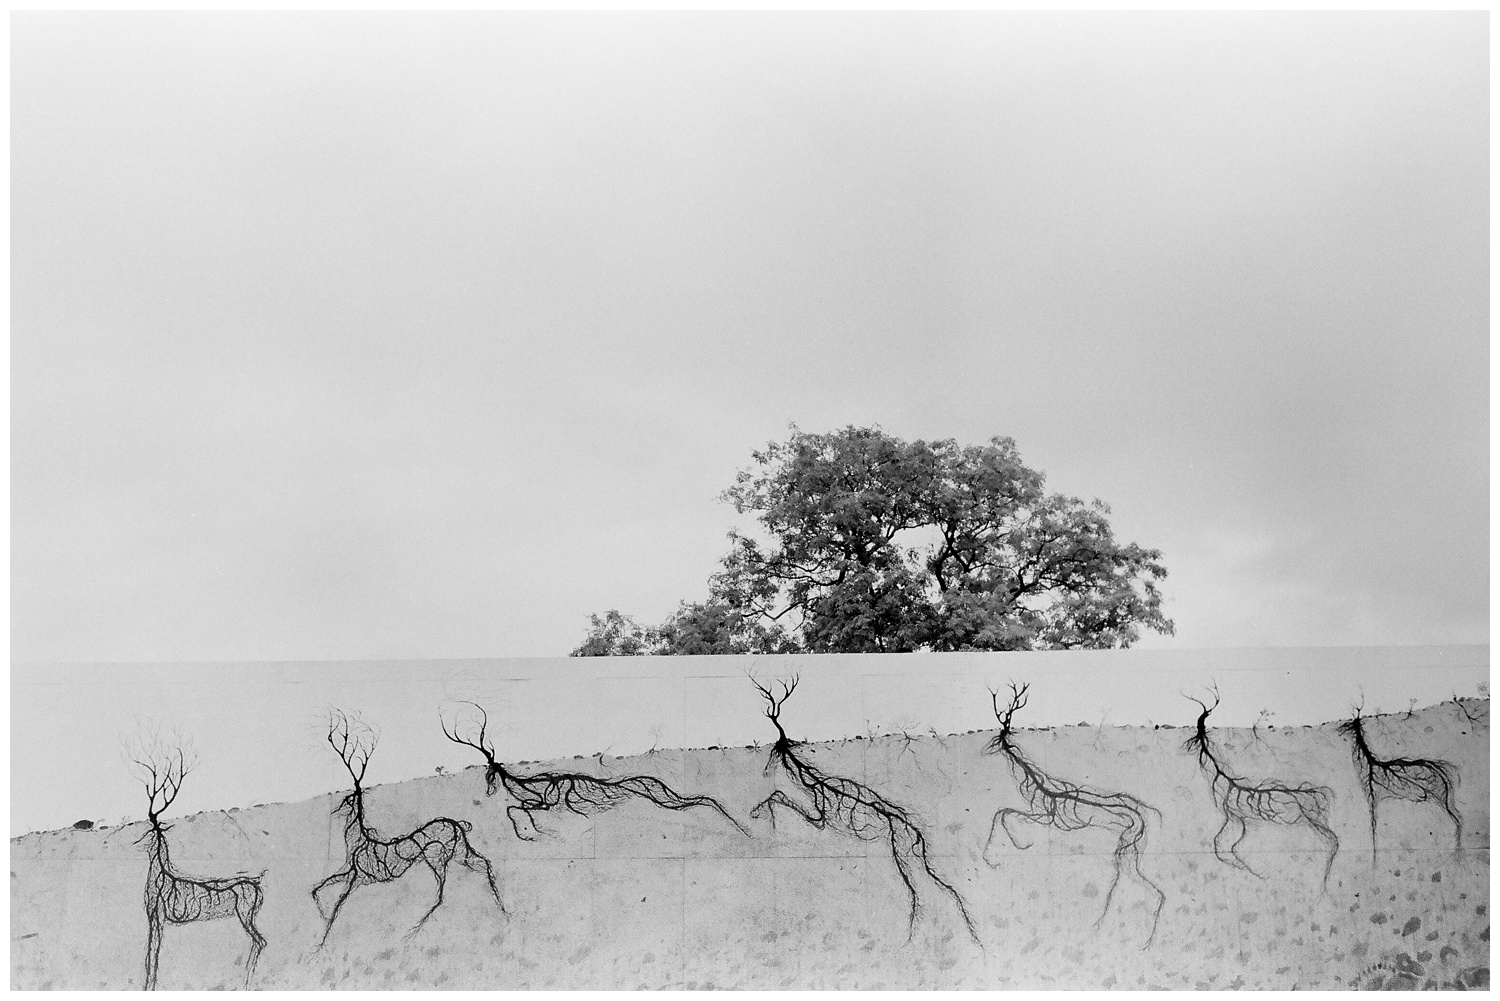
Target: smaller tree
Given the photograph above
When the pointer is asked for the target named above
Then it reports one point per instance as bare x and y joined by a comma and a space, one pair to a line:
701, 627
615, 635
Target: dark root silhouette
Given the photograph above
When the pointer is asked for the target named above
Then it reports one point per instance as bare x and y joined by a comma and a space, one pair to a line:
572, 791
844, 805
370, 858
1482, 719
1066, 806
1416, 780
1241, 801
171, 897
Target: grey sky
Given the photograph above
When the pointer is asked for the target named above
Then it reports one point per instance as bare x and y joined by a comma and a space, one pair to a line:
415, 336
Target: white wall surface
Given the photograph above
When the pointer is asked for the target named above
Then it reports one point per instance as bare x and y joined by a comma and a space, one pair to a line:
259, 728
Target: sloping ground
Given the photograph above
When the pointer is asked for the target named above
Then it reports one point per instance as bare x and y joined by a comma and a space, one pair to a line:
641, 897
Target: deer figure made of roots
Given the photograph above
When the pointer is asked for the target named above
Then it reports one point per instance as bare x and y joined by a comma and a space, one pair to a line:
1242, 801
847, 806
370, 858
1416, 780
1066, 806
572, 791
171, 897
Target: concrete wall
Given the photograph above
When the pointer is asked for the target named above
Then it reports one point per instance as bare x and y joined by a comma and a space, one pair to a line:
641, 897
259, 727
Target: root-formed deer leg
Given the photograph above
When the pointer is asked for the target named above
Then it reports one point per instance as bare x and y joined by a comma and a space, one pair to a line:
1458, 825
246, 913
153, 949
1005, 816
984, 852
768, 806
1233, 859
998, 820
1128, 856
913, 905
515, 825
478, 863
1234, 849
1333, 840
440, 873
1161, 898
1161, 902
1135, 866
907, 843
714, 805
665, 796
338, 877
958, 901
338, 904
1109, 895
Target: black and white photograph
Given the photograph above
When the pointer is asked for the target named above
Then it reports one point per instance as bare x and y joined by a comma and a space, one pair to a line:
750, 500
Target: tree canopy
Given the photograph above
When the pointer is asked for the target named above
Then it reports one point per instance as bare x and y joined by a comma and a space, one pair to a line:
868, 543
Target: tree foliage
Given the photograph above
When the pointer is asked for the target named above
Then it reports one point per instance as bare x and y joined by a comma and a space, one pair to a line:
868, 543
616, 635
705, 627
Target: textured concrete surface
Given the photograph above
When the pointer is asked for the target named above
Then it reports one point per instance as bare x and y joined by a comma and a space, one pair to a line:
273, 751
640, 897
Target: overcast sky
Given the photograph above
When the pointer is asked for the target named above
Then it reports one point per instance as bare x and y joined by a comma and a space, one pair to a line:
416, 336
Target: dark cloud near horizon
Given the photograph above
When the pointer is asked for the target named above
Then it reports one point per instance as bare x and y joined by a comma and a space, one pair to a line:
342, 336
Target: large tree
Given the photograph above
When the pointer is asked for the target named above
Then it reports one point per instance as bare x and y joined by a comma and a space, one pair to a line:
871, 543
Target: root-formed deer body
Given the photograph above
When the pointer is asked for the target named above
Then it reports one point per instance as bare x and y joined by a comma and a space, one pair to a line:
1416, 780
850, 807
1241, 800
173, 898
572, 791
370, 858
1068, 807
